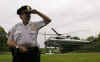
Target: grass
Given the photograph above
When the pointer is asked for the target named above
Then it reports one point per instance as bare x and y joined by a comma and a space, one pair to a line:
69, 57
5, 57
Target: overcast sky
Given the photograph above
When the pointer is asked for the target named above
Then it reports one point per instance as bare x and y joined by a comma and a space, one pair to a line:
76, 17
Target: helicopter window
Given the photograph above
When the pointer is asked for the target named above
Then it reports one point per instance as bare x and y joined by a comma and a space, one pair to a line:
59, 38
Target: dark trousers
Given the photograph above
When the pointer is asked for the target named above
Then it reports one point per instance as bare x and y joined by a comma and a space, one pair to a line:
32, 55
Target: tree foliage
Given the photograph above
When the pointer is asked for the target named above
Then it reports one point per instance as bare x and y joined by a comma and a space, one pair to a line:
3, 39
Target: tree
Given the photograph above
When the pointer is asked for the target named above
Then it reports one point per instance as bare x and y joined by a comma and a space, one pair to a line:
3, 39
90, 38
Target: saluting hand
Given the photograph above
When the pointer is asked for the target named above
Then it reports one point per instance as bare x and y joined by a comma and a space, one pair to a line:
34, 11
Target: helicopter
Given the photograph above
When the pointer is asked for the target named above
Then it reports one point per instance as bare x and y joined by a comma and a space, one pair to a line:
64, 41
66, 38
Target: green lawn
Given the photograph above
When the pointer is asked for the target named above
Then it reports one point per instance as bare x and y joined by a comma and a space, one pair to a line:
69, 57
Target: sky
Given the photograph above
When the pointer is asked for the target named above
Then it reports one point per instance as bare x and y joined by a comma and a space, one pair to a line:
75, 17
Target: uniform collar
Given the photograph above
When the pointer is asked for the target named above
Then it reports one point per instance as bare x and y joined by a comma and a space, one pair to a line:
27, 24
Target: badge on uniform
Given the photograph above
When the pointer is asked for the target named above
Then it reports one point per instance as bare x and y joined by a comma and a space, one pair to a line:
32, 28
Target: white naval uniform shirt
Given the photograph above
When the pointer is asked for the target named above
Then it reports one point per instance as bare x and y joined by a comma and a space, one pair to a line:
26, 35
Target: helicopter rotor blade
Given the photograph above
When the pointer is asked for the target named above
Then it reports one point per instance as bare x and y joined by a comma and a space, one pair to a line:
55, 31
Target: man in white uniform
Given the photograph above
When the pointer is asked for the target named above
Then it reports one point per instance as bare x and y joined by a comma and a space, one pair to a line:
23, 36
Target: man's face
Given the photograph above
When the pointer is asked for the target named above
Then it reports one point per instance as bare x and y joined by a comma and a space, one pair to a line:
25, 18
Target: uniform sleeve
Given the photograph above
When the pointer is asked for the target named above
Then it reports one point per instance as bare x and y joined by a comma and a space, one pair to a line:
11, 34
40, 24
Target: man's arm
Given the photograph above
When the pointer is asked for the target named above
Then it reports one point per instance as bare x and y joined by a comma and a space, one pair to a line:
14, 44
45, 18
11, 43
